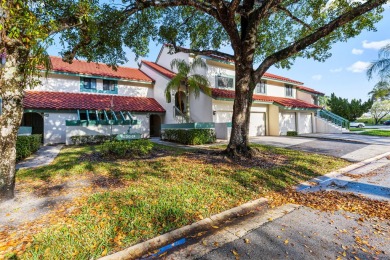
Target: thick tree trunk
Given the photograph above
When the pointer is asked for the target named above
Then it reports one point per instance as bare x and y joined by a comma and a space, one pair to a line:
11, 91
239, 138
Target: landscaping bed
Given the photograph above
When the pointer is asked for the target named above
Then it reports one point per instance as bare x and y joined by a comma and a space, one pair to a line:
94, 204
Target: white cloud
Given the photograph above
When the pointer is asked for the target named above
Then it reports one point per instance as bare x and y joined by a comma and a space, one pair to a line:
359, 66
357, 51
336, 70
375, 45
317, 77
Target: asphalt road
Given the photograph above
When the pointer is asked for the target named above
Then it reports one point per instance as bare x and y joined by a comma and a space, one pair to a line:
354, 151
311, 234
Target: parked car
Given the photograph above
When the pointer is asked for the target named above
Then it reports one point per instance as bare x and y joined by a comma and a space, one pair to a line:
357, 124
386, 122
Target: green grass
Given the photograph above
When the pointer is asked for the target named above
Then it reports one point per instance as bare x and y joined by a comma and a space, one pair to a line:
160, 194
376, 132
355, 129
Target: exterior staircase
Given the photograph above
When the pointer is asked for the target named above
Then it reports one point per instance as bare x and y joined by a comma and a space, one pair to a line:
328, 122
180, 117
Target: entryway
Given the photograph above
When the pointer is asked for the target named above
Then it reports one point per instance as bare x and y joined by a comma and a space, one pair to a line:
155, 125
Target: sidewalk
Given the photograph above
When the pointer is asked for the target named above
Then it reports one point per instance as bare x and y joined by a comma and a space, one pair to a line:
44, 156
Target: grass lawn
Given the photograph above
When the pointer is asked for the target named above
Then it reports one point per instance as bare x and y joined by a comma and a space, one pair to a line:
376, 132
356, 129
121, 202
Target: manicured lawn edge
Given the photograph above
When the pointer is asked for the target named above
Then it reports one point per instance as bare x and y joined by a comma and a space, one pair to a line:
143, 248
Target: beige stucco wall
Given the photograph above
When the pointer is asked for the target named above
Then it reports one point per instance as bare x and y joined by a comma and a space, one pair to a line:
273, 120
305, 97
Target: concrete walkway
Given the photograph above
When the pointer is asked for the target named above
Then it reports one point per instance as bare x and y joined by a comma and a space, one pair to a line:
44, 156
365, 139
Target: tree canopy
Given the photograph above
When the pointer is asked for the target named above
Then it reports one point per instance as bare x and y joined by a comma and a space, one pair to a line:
350, 110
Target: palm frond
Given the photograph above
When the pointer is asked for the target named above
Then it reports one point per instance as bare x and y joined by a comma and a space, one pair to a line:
198, 63
180, 65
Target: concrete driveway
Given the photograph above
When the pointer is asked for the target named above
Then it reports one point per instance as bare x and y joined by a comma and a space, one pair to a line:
350, 147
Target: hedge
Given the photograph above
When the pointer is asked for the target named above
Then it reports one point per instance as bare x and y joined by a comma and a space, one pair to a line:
91, 139
130, 148
292, 133
26, 145
190, 136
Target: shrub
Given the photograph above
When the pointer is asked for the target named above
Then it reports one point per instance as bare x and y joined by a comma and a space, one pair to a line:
189, 136
292, 133
26, 145
138, 147
91, 139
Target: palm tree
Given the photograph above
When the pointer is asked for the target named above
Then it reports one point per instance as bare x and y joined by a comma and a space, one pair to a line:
381, 91
382, 68
188, 78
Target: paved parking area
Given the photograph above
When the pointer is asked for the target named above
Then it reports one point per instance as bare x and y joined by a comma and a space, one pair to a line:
351, 150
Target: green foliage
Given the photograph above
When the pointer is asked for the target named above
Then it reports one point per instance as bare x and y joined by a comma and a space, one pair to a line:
131, 148
190, 136
91, 139
377, 132
348, 110
27, 145
292, 133
186, 77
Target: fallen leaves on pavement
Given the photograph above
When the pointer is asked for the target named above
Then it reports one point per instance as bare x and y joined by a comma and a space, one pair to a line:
333, 201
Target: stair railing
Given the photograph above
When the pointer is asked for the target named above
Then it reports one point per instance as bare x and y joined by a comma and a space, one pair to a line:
332, 117
180, 116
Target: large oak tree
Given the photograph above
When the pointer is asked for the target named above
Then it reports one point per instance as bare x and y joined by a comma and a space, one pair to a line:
27, 28
261, 32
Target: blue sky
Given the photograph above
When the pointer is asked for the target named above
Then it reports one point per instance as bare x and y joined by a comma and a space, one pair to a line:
343, 73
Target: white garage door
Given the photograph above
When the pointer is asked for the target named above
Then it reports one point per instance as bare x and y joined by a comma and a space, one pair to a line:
305, 123
287, 122
223, 116
257, 124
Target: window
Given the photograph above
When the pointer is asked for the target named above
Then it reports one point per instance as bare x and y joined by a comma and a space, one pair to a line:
88, 83
260, 87
289, 90
109, 85
224, 82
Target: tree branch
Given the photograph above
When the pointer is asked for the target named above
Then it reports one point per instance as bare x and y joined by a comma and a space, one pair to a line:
289, 14
317, 35
204, 52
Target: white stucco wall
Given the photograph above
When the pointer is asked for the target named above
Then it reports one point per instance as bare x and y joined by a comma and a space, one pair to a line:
134, 89
323, 126
59, 82
165, 58
142, 128
201, 108
54, 127
158, 93
66, 83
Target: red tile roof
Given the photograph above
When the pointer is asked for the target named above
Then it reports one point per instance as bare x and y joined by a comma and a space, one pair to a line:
273, 76
66, 100
166, 72
98, 69
310, 90
286, 102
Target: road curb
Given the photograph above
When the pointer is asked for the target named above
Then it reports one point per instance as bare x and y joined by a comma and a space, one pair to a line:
332, 175
143, 248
